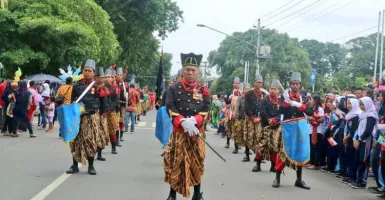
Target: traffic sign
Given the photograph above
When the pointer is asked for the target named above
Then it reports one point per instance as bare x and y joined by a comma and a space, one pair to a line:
312, 76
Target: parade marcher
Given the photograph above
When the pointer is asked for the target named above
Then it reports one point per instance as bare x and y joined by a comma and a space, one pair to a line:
83, 147
124, 95
230, 125
102, 112
268, 143
292, 107
241, 117
253, 101
188, 106
112, 109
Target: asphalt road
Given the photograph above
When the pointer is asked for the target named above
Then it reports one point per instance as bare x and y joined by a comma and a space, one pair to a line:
34, 169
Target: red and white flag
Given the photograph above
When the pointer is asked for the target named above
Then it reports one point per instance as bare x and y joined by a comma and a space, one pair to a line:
332, 141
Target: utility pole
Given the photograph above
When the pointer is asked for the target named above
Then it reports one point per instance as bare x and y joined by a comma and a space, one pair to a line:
382, 43
378, 41
258, 45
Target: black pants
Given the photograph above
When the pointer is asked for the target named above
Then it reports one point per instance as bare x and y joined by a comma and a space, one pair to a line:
7, 126
317, 152
15, 125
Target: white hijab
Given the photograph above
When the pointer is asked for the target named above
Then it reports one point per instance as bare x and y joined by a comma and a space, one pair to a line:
355, 111
370, 111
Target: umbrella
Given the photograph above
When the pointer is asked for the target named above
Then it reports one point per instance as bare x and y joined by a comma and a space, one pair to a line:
42, 77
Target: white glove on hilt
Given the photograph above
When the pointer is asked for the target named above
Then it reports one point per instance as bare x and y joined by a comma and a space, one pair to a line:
286, 96
188, 125
295, 104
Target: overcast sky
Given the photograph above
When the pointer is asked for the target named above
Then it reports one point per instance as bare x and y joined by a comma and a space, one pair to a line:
239, 15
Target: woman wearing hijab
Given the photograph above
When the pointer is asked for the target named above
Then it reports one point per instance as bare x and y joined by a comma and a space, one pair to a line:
23, 100
367, 128
351, 121
381, 128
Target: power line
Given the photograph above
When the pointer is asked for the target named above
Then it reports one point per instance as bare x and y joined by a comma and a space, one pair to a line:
293, 13
284, 24
284, 10
311, 17
354, 33
324, 14
276, 9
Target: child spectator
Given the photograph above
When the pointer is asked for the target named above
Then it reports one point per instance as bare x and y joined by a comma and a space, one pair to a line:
50, 107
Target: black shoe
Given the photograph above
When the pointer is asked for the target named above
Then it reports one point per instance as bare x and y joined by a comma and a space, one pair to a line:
114, 149
171, 198
301, 184
325, 169
358, 185
246, 159
121, 139
235, 151
376, 190
118, 144
73, 170
198, 196
227, 146
256, 168
91, 170
101, 158
276, 183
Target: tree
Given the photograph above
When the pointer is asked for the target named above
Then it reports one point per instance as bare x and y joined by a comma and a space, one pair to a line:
286, 56
135, 21
44, 35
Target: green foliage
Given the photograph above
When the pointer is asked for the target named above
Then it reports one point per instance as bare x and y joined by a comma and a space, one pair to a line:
44, 35
287, 56
135, 21
360, 82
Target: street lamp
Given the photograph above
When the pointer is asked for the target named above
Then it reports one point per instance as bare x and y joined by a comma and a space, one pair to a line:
256, 51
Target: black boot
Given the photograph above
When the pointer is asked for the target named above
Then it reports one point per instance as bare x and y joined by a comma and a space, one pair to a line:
121, 136
100, 155
113, 144
246, 158
272, 167
91, 168
257, 168
227, 143
74, 168
299, 183
117, 139
235, 150
277, 180
197, 193
172, 195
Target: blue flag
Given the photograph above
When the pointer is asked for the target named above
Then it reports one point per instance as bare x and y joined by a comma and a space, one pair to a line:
69, 120
296, 141
163, 126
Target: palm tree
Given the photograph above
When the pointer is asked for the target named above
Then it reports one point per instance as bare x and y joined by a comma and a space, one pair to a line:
3, 4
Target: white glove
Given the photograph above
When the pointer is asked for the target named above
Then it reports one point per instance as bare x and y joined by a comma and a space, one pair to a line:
286, 95
188, 125
381, 127
295, 104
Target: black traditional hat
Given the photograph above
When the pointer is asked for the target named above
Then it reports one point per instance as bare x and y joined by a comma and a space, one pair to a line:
191, 59
119, 70
108, 72
100, 71
91, 64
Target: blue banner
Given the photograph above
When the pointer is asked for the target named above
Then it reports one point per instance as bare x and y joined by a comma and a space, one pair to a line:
69, 120
296, 141
163, 126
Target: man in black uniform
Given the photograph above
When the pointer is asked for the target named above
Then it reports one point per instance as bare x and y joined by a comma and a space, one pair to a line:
89, 138
188, 105
253, 102
124, 91
292, 106
268, 143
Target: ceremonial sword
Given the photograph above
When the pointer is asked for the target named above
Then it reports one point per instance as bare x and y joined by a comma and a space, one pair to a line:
212, 148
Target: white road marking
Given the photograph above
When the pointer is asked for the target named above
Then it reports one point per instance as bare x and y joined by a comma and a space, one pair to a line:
153, 125
51, 187
141, 124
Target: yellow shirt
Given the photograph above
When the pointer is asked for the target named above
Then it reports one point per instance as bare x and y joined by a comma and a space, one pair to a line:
66, 91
